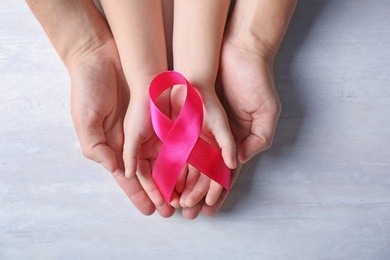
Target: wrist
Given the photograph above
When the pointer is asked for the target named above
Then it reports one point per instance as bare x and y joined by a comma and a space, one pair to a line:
139, 79
74, 27
89, 31
202, 76
248, 43
239, 32
259, 25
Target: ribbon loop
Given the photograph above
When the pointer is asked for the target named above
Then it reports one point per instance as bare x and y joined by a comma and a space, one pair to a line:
181, 141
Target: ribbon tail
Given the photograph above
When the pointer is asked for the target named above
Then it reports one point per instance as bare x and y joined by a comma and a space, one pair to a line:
208, 160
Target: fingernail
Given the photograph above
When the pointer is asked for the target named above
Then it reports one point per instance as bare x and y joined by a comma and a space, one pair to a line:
234, 162
175, 204
182, 203
127, 173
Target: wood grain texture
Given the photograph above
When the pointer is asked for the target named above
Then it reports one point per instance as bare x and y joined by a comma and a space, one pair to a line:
321, 192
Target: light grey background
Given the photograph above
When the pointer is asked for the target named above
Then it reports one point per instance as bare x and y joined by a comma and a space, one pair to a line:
321, 192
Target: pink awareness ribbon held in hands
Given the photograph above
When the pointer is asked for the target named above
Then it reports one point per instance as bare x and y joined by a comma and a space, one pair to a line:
181, 138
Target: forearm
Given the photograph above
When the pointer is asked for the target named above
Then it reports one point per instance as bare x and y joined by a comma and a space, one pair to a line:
73, 26
138, 30
198, 32
261, 23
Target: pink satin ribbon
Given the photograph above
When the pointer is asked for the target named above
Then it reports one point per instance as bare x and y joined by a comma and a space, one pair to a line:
181, 141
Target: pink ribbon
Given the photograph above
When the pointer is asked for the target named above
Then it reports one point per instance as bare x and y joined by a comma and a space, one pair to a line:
181, 141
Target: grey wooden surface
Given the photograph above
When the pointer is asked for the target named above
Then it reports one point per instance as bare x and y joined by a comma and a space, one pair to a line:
321, 192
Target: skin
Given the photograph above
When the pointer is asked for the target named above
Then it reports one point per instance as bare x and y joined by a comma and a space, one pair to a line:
247, 91
139, 34
100, 93
99, 90
138, 30
196, 49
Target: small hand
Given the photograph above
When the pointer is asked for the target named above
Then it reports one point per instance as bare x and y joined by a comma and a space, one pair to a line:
141, 148
216, 131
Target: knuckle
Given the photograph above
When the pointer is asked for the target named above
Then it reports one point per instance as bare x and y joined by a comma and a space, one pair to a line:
90, 152
278, 108
267, 142
87, 152
275, 108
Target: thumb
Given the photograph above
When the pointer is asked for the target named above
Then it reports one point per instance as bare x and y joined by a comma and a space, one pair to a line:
93, 145
225, 140
251, 146
131, 146
260, 138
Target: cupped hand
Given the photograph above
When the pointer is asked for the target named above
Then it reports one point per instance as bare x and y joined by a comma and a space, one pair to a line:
141, 148
215, 130
248, 94
99, 100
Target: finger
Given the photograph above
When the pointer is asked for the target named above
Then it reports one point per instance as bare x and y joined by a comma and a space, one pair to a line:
193, 212
191, 180
208, 210
131, 146
93, 144
225, 140
213, 193
144, 175
260, 138
135, 192
198, 191
145, 178
165, 211
133, 189
175, 200
104, 155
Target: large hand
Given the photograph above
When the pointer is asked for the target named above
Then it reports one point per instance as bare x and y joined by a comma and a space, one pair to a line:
252, 38
248, 94
99, 101
250, 99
